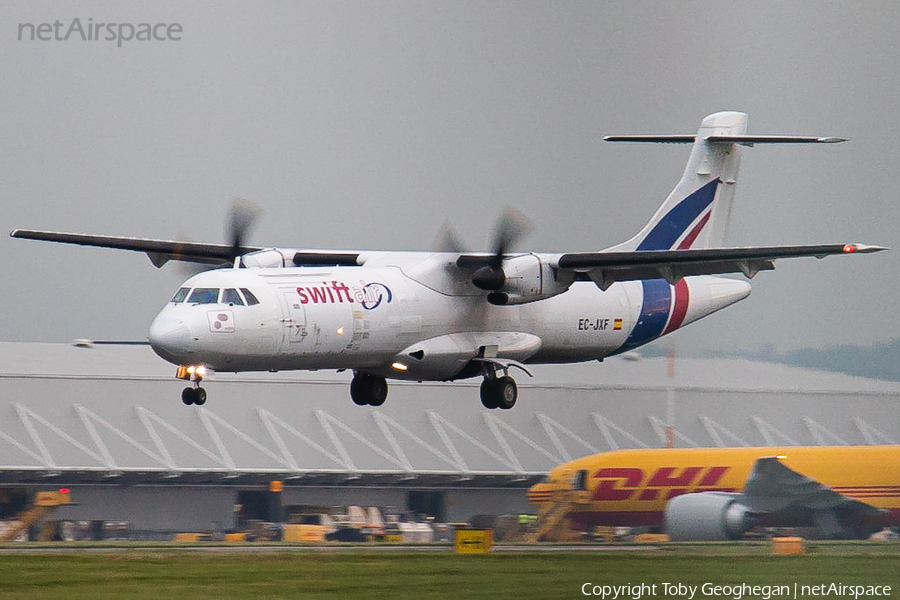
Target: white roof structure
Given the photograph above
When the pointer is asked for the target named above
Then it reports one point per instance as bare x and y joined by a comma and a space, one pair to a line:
113, 414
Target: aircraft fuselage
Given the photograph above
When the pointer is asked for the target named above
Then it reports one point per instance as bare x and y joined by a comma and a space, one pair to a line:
381, 321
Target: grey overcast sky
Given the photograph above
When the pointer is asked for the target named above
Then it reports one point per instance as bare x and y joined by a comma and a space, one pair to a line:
367, 125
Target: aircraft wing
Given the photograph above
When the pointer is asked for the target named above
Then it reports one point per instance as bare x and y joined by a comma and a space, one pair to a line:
605, 268
162, 251
159, 251
774, 487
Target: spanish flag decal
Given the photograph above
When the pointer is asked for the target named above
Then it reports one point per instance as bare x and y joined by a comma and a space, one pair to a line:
617, 324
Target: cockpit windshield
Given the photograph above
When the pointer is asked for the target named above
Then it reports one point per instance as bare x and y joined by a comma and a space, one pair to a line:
251, 299
204, 296
231, 296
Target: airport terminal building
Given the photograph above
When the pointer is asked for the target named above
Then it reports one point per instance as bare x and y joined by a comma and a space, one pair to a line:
108, 423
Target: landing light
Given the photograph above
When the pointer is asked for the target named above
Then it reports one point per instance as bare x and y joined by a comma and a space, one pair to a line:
340, 331
400, 366
198, 370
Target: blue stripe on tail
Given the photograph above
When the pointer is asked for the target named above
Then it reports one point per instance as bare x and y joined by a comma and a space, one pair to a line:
672, 226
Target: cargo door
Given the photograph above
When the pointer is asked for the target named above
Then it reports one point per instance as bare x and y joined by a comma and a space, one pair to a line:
294, 320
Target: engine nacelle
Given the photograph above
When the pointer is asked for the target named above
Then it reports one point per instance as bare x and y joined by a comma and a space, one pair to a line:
706, 517
528, 280
270, 258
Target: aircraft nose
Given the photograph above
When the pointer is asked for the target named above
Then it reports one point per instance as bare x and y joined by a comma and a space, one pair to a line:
170, 338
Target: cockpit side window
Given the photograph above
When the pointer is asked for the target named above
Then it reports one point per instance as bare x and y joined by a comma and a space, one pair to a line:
204, 296
579, 482
251, 299
180, 295
231, 296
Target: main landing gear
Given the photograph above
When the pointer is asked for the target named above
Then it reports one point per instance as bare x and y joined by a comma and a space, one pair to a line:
499, 392
366, 389
196, 394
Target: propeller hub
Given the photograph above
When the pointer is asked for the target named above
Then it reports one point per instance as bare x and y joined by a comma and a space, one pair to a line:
489, 278
509, 229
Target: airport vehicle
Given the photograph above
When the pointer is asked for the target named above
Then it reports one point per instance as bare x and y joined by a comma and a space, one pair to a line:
44, 503
449, 315
721, 493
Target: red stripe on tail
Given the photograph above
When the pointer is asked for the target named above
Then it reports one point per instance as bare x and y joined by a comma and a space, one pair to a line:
682, 299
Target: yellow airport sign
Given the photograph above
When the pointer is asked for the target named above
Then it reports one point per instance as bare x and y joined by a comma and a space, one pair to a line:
474, 541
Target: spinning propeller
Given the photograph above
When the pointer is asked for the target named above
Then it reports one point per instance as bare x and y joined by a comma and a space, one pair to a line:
242, 219
511, 227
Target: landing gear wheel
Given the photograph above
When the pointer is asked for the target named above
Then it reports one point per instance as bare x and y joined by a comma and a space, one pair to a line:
357, 394
366, 389
507, 392
189, 396
488, 393
378, 390
499, 392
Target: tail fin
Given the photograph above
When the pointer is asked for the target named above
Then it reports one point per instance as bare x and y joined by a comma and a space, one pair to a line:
697, 211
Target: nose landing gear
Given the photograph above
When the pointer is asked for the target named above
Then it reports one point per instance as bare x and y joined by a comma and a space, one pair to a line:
196, 394
193, 395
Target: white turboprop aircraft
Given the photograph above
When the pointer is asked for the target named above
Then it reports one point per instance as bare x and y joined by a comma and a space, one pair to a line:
441, 316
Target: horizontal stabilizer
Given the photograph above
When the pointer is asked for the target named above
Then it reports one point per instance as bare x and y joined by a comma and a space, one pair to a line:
652, 139
744, 140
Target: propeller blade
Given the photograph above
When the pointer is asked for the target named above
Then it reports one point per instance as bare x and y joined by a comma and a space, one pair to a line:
448, 240
188, 269
511, 227
242, 219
